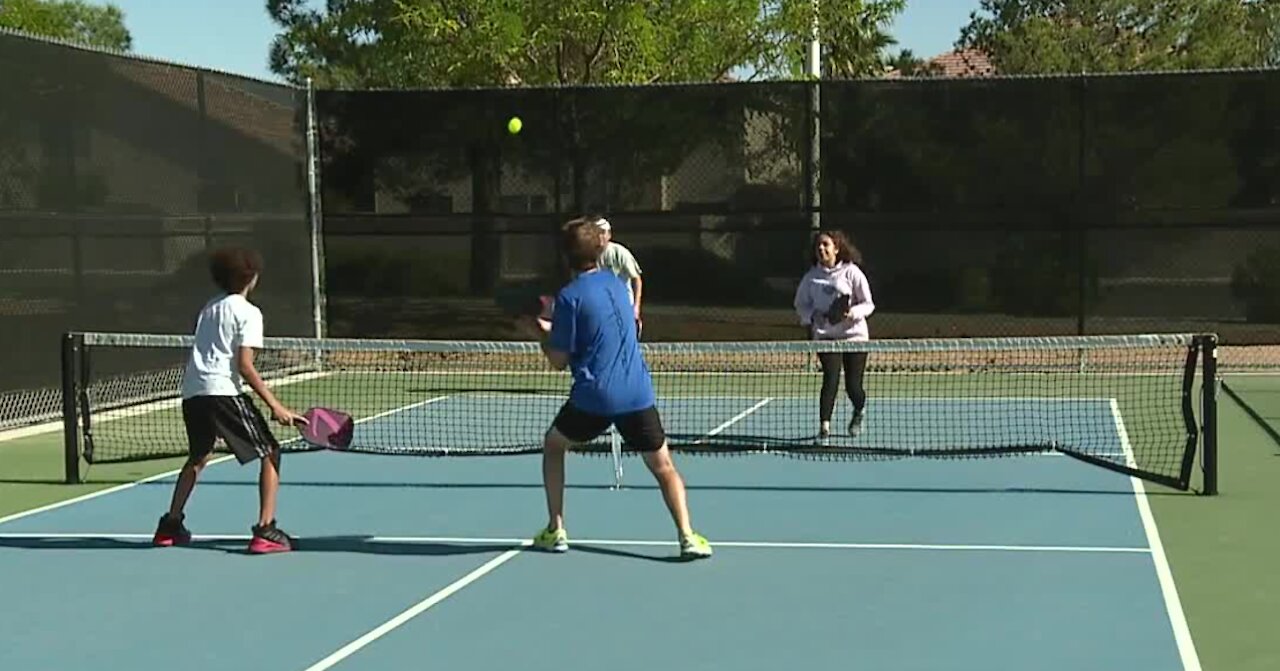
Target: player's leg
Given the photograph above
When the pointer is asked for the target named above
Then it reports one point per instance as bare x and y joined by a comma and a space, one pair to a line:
830, 385
554, 448
249, 437
197, 416
172, 529
268, 487
855, 364
571, 426
186, 483
672, 485
643, 432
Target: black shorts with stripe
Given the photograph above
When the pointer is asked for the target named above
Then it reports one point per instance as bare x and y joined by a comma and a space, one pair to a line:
641, 430
234, 419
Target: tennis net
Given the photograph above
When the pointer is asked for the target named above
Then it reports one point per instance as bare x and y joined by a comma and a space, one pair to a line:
1127, 403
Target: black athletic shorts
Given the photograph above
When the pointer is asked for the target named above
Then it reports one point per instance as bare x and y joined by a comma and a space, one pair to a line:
641, 431
234, 419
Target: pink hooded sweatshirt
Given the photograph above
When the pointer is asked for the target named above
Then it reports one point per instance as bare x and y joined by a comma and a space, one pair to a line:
819, 288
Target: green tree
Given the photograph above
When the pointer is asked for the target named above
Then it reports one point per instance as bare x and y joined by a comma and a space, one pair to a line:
411, 43
854, 36
1069, 36
71, 20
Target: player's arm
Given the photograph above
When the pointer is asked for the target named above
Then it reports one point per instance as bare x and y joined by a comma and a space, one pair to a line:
861, 306
634, 276
282, 414
803, 304
555, 336
557, 358
637, 287
540, 329
248, 340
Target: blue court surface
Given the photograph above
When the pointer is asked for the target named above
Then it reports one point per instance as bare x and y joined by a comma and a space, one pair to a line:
1034, 562
892, 423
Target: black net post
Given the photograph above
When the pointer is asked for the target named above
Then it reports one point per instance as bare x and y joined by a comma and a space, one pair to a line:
813, 154
72, 345
557, 166
1081, 221
486, 176
1081, 245
78, 234
1209, 409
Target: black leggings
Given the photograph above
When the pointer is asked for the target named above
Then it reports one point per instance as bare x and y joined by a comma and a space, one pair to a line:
854, 364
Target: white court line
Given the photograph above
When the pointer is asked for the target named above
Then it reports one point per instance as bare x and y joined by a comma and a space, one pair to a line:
734, 420
1172, 604
160, 476
419, 608
135, 410
956, 371
102, 492
411, 406
802, 394
757, 545
32, 430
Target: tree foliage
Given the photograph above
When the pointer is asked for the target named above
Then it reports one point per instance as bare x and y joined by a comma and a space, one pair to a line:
854, 35
455, 43
71, 20
1069, 36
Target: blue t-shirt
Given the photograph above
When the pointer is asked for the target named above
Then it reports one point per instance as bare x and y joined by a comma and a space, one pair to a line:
595, 324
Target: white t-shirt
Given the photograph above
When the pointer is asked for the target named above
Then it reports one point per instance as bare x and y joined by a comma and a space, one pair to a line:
622, 263
224, 325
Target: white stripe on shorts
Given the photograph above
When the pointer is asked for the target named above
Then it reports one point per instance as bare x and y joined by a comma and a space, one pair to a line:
260, 444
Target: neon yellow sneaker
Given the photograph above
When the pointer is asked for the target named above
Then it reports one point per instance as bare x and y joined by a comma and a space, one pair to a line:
552, 540
694, 546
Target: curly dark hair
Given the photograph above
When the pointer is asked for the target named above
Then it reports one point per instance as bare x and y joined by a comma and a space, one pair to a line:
846, 251
233, 268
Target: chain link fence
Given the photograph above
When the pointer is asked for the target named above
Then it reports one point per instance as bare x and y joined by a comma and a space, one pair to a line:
983, 207
117, 176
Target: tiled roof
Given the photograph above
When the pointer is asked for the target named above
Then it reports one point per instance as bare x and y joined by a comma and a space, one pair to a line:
962, 63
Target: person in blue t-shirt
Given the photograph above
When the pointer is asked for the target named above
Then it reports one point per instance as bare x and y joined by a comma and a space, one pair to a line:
592, 332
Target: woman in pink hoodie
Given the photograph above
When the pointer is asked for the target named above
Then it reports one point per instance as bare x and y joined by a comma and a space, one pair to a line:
833, 302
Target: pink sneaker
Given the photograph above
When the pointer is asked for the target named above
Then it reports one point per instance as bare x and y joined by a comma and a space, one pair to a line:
269, 539
170, 531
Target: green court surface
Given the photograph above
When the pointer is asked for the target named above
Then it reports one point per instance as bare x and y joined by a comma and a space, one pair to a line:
1221, 550
1259, 396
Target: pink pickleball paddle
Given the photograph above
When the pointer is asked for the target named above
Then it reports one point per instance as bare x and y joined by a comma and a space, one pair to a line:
328, 428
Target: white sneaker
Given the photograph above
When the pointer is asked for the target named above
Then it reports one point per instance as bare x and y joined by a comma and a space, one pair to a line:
855, 424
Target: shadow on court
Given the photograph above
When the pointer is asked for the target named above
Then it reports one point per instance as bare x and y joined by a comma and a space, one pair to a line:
323, 544
835, 489
316, 544
666, 558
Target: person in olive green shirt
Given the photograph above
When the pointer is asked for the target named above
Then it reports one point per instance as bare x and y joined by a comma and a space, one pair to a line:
621, 262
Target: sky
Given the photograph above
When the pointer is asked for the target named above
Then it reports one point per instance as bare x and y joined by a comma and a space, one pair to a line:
235, 35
